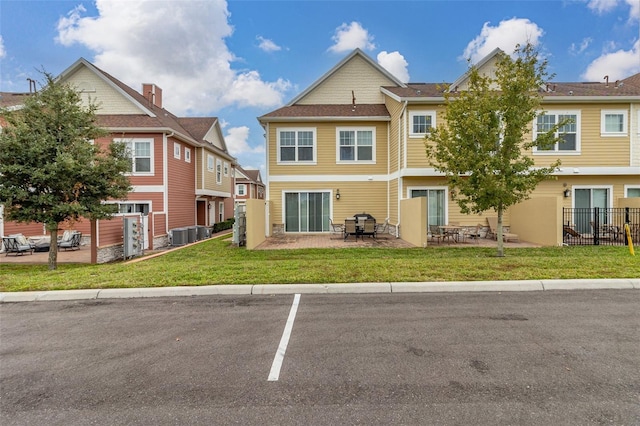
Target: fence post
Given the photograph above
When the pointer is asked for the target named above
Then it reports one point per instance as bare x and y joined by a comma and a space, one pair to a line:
596, 226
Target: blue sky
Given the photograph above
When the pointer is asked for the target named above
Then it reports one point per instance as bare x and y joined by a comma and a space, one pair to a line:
240, 59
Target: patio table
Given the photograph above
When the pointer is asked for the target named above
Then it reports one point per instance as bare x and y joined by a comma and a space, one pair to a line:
452, 231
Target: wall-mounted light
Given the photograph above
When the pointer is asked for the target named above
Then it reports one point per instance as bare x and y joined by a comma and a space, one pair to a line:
567, 193
337, 194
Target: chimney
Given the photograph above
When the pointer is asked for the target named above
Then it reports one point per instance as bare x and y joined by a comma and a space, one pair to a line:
152, 93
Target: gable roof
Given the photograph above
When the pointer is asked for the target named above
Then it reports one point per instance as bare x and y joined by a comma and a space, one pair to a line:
357, 52
250, 175
361, 112
192, 130
481, 63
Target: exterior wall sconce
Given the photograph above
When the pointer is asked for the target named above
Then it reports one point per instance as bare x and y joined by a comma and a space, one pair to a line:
567, 193
337, 194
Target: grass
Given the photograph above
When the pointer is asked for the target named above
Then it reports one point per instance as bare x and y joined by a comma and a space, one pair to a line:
216, 261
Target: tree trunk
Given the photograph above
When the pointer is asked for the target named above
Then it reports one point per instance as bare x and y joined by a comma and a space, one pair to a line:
53, 247
500, 238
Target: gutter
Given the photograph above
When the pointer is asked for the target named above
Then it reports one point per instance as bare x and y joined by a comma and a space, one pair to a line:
400, 137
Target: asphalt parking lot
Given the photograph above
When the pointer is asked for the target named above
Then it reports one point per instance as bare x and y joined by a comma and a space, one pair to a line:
488, 358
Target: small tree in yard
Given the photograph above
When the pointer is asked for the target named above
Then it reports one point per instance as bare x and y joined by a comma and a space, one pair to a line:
50, 171
481, 148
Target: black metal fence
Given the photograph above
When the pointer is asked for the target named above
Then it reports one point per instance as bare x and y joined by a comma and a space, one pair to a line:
600, 226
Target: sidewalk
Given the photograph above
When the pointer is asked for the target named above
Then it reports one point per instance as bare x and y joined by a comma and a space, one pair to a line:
348, 288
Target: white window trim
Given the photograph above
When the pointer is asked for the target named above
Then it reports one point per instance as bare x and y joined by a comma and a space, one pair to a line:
297, 129
429, 113
557, 152
242, 186
433, 188
625, 123
628, 187
177, 148
187, 154
356, 129
225, 168
211, 167
218, 171
132, 141
607, 187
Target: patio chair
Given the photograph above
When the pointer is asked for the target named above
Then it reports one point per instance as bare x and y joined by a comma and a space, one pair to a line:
369, 228
437, 233
72, 241
336, 228
350, 228
571, 236
472, 232
493, 231
17, 244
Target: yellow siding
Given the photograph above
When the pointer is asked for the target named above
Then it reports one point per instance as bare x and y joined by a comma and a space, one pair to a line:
358, 76
109, 99
395, 135
355, 197
416, 150
326, 151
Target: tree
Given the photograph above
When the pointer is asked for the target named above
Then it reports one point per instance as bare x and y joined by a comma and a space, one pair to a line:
50, 169
481, 148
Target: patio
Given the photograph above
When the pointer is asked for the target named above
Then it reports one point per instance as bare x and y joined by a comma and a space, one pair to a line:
298, 241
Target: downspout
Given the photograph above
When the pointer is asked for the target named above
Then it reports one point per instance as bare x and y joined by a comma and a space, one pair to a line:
165, 178
401, 132
267, 195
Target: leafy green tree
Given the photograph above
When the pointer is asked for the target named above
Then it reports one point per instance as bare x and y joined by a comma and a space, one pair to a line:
482, 146
50, 169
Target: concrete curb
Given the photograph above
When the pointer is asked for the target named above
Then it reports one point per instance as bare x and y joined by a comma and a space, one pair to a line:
346, 288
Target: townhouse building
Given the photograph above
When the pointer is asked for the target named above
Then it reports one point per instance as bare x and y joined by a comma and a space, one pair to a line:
248, 185
181, 170
353, 142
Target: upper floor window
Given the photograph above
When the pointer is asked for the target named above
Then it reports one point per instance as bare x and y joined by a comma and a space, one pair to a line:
613, 123
241, 189
421, 123
218, 171
210, 161
141, 153
568, 132
296, 145
226, 168
176, 150
356, 144
187, 155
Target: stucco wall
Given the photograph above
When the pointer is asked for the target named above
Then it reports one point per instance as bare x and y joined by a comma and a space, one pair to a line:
256, 232
538, 221
413, 221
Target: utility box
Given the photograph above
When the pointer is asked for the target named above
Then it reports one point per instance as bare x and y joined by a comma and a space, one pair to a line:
203, 232
179, 237
192, 234
132, 237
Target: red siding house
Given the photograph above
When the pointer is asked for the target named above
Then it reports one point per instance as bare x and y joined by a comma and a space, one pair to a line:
248, 185
182, 172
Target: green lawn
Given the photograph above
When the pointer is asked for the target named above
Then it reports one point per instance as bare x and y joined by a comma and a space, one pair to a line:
216, 261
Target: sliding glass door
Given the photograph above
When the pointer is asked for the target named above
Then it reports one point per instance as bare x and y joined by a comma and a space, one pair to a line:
306, 211
436, 204
589, 198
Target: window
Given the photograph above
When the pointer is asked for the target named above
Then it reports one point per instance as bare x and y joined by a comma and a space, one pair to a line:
306, 211
133, 208
241, 189
421, 122
588, 198
141, 153
187, 155
569, 132
436, 204
176, 150
632, 191
296, 146
356, 144
221, 211
218, 171
226, 168
613, 123
210, 163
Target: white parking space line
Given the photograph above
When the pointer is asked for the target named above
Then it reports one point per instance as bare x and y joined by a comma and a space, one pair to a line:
274, 374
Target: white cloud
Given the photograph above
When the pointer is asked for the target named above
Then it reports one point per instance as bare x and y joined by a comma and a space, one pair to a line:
351, 36
267, 45
236, 140
617, 65
577, 49
395, 63
506, 36
179, 45
3, 52
601, 7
